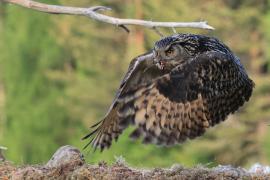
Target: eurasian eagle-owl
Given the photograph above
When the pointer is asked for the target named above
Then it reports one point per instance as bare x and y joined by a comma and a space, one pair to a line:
184, 85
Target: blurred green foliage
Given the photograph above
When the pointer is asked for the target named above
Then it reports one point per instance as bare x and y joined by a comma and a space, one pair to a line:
59, 75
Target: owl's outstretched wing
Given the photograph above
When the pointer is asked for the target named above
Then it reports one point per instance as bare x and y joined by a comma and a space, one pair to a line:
142, 70
184, 103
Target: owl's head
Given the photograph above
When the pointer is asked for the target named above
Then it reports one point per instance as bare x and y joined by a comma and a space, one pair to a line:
174, 50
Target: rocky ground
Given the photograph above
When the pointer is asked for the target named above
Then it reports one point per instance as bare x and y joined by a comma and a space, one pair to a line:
68, 163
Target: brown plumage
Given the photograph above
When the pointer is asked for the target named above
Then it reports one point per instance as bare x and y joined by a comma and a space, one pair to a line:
185, 85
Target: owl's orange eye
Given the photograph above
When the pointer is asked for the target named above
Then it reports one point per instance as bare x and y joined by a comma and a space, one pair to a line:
169, 52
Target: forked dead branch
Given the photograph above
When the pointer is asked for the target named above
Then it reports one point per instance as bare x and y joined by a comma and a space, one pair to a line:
93, 13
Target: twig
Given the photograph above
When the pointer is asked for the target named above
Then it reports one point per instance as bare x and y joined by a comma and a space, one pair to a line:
92, 13
158, 31
125, 28
174, 30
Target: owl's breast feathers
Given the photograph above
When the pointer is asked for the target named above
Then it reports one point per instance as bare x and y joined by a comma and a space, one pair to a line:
168, 108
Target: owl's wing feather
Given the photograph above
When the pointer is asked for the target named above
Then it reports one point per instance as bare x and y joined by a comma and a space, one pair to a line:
191, 98
141, 70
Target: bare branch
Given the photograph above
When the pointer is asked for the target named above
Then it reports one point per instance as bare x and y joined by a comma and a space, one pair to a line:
92, 13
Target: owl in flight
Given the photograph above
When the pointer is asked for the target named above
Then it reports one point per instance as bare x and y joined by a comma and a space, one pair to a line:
184, 85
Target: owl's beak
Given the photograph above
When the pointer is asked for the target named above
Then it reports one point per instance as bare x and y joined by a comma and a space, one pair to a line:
161, 64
